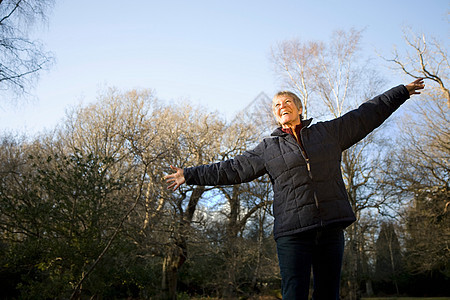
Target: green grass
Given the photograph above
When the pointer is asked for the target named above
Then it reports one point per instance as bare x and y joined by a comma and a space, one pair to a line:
408, 298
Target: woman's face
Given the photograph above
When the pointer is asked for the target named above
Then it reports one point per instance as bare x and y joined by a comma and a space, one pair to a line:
285, 111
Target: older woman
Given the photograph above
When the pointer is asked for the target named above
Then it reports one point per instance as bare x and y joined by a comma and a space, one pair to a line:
311, 206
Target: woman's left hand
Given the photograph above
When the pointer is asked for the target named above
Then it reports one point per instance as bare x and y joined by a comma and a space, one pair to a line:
414, 86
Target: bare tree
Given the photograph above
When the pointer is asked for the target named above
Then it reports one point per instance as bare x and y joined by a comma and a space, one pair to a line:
295, 62
21, 58
425, 58
192, 137
420, 171
417, 174
124, 127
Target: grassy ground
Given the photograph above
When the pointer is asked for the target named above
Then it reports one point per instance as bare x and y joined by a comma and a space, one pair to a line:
277, 296
408, 298
387, 298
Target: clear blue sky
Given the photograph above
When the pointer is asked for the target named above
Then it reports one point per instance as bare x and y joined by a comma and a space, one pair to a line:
211, 53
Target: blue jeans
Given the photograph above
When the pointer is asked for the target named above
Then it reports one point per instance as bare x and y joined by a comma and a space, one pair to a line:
321, 249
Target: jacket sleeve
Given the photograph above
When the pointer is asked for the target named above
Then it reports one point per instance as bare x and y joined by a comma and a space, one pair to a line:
242, 168
357, 124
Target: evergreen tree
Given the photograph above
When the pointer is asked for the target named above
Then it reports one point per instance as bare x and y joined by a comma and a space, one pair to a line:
388, 265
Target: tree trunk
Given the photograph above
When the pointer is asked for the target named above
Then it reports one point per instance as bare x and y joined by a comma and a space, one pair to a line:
259, 254
171, 264
177, 253
369, 288
231, 247
352, 282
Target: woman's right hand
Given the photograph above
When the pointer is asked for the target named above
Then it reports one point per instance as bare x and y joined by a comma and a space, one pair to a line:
176, 179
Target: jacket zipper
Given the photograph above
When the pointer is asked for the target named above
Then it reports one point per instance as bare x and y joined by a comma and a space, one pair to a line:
308, 165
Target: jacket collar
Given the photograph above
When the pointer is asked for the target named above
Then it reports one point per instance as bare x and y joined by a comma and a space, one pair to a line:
279, 132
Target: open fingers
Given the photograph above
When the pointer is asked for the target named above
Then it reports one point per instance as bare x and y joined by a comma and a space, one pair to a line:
173, 185
416, 85
175, 179
419, 84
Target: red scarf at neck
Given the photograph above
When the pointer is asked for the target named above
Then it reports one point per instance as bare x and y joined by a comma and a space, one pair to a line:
296, 135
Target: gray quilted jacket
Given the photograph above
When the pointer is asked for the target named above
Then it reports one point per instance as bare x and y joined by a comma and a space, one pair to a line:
308, 190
